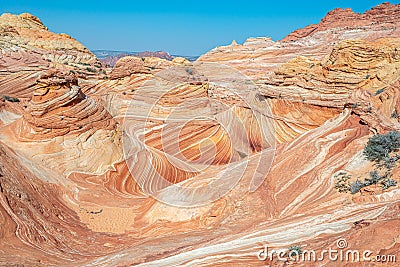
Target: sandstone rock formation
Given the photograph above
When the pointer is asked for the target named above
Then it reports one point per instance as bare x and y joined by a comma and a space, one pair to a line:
258, 57
175, 163
28, 48
59, 107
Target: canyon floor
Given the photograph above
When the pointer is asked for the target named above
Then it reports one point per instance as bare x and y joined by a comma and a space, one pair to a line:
167, 162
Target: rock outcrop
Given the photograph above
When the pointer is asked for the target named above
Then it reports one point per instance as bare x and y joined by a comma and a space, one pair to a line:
27, 49
259, 57
58, 107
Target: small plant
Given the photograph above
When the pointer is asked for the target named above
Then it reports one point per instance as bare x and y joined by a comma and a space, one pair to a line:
382, 150
388, 162
10, 99
91, 69
379, 91
381, 145
355, 105
295, 251
189, 71
389, 182
342, 182
395, 115
373, 178
356, 186
367, 77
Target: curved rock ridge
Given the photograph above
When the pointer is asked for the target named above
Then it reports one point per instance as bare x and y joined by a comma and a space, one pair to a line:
353, 75
129, 65
188, 128
127, 76
59, 107
352, 65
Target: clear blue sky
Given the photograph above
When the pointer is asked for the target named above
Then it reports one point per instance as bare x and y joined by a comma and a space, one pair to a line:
178, 27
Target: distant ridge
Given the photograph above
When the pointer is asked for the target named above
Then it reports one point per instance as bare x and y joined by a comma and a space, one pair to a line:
110, 57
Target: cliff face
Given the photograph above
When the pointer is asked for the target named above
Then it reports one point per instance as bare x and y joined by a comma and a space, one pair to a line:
167, 163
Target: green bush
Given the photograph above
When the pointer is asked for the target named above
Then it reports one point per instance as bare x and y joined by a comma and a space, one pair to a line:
342, 182
356, 186
379, 91
373, 178
189, 71
295, 251
389, 162
91, 69
382, 149
10, 99
388, 183
380, 146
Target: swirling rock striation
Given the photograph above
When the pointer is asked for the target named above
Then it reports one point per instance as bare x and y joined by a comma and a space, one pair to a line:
70, 196
59, 107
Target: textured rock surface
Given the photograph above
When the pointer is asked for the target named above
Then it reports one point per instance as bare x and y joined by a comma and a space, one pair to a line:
383, 15
81, 152
258, 57
59, 107
27, 48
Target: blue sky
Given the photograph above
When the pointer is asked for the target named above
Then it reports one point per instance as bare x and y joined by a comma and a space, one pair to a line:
178, 27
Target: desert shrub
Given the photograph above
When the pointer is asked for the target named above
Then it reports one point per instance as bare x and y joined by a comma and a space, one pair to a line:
356, 186
394, 114
388, 162
389, 182
380, 146
295, 251
342, 182
10, 99
373, 178
91, 69
379, 91
382, 150
189, 71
